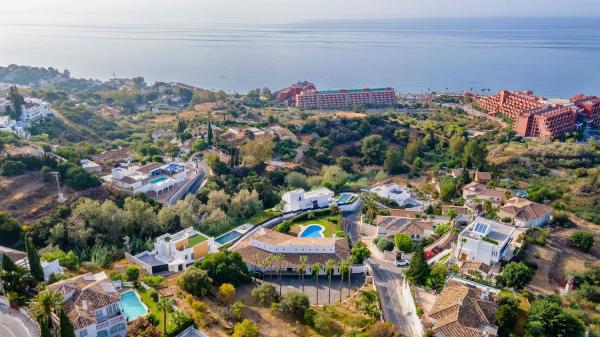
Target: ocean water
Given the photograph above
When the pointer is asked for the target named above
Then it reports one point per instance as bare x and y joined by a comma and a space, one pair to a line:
554, 57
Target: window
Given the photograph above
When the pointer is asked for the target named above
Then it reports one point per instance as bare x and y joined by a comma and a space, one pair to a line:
102, 333
83, 333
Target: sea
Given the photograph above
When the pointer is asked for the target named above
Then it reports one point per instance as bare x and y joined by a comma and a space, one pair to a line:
555, 57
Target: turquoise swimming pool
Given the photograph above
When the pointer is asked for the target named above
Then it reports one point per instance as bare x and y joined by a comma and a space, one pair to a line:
132, 306
158, 180
344, 198
312, 231
228, 237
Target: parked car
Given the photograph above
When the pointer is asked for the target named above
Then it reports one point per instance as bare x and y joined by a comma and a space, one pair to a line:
429, 255
401, 263
437, 249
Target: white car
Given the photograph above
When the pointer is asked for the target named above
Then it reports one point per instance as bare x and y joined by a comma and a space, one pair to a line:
401, 263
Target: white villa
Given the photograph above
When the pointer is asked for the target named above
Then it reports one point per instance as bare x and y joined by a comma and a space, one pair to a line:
393, 192
174, 252
33, 110
153, 177
92, 304
299, 199
20, 259
485, 241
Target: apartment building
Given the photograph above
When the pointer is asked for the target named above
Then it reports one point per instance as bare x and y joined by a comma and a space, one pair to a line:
345, 98
532, 116
589, 106
92, 305
288, 95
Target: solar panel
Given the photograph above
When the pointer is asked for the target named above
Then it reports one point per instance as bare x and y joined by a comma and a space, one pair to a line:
481, 228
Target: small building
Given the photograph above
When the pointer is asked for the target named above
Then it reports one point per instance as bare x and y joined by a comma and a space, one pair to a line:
525, 213
299, 199
92, 304
175, 252
462, 310
20, 259
482, 177
485, 241
417, 229
475, 190
152, 177
394, 192
90, 166
120, 155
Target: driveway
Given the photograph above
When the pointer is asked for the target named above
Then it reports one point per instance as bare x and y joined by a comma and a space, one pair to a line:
14, 324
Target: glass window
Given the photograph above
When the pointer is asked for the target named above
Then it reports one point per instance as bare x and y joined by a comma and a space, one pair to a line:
83, 333
102, 333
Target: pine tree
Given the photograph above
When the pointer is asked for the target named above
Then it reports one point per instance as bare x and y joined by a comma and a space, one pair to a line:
35, 267
66, 327
418, 270
209, 134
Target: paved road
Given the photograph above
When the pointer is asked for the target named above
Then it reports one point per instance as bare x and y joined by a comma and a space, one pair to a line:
351, 220
388, 280
14, 324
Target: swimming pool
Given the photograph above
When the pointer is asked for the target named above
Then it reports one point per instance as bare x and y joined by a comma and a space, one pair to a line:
344, 198
312, 231
132, 305
158, 180
228, 237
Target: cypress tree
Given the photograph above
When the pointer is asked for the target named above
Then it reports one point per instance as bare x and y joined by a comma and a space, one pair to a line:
418, 270
209, 134
66, 328
35, 267
44, 329
10, 275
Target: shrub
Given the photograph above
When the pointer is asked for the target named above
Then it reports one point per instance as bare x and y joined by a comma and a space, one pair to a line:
383, 329
385, 245
265, 294
324, 324
294, 304
515, 275
153, 281
246, 328
583, 239
12, 168
283, 227
132, 273
195, 281
153, 295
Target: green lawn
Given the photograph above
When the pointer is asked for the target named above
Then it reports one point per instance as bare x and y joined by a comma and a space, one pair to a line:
153, 311
196, 239
262, 216
323, 220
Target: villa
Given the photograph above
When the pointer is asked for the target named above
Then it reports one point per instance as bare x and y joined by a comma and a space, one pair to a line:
264, 243
417, 229
92, 305
485, 241
462, 310
153, 177
90, 166
20, 259
174, 252
297, 200
394, 192
525, 213
475, 190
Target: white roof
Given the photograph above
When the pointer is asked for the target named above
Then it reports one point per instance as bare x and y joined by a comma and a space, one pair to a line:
321, 191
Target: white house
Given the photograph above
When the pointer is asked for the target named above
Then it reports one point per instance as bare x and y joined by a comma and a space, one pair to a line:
20, 259
525, 213
299, 199
485, 241
393, 192
35, 109
92, 304
90, 166
153, 177
174, 252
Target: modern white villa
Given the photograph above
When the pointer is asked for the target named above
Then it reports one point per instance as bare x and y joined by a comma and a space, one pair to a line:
485, 241
92, 304
393, 192
174, 252
299, 199
153, 177
20, 259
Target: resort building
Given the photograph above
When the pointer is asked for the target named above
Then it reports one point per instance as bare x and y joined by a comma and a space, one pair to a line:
345, 98
589, 107
485, 241
394, 192
174, 252
474, 190
260, 245
92, 305
417, 229
532, 116
462, 310
153, 177
525, 213
288, 95
20, 259
297, 200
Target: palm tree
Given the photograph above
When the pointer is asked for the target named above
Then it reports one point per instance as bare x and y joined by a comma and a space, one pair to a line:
45, 304
302, 269
330, 266
343, 268
315, 270
350, 262
165, 304
278, 258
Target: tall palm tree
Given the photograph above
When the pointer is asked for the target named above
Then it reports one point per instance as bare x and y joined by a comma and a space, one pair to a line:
44, 304
343, 264
350, 262
302, 269
278, 259
315, 269
330, 266
165, 304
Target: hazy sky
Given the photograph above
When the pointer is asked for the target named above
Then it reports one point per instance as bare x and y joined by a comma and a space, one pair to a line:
278, 11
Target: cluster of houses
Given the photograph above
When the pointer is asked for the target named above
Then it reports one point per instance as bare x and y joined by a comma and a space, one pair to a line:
33, 110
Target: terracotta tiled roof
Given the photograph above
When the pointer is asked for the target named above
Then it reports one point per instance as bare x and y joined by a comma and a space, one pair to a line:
474, 265
13, 254
404, 225
149, 167
459, 311
523, 209
114, 155
483, 176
